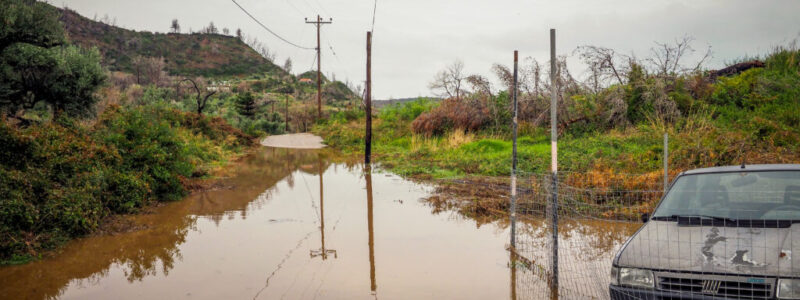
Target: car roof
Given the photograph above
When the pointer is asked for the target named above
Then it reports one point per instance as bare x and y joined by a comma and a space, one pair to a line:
739, 168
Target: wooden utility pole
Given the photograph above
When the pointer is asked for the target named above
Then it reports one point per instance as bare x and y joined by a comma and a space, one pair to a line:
514, 124
286, 115
368, 102
318, 22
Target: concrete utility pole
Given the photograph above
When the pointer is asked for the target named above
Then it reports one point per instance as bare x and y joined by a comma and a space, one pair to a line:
318, 22
368, 102
554, 155
666, 162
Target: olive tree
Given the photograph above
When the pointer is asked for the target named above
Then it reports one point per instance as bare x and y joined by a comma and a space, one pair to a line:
36, 66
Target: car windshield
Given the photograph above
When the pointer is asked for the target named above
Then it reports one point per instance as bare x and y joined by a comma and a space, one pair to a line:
763, 195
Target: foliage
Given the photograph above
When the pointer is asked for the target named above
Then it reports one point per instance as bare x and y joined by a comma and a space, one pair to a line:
467, 115
29, 22
192, 54
58, 180
407, 111
751, 116
35, 68
246, 104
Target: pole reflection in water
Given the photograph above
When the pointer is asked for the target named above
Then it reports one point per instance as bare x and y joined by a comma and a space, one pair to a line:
205, 246
512, 259
322, 252
368, 177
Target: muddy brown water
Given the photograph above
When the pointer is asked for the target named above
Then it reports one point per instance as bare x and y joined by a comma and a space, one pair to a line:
262, 236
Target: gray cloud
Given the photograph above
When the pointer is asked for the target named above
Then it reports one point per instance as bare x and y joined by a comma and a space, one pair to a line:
415, 38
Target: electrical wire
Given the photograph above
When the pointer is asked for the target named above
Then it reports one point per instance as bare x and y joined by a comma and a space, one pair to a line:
270, 30
313, 62
374, 9
295, 7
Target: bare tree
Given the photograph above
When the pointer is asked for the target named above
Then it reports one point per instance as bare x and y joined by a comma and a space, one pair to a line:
480, 85
666, 58
266, 53
200, 99
448, 82
175, 27
604, 65
239, 33
148, 70
211, 28
226, 31
287, 66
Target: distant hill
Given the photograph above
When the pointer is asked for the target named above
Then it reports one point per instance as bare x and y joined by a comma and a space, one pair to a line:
194, 54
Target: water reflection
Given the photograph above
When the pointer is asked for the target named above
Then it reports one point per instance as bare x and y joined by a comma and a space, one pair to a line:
370, 228
322, 251
248, 238
154, 250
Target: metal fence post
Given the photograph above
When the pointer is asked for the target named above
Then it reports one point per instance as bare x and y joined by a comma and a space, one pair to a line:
666, 162
513, 206
554, 154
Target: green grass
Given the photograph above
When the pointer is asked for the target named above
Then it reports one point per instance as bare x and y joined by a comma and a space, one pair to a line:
752, 117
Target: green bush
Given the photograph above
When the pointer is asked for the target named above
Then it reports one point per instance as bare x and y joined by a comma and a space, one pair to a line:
742, 90
151, 146
407, 111
58, 180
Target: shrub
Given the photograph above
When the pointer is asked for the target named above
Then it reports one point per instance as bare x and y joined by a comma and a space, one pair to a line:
406, 111
150, 146
741, 90
467, 115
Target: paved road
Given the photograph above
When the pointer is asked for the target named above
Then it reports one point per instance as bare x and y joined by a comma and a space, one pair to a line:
295, 141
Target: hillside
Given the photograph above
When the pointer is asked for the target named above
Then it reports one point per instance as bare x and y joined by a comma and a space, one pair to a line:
184, 54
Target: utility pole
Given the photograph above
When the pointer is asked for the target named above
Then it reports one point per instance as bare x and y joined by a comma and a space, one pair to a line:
286, 115
318, 22
554, 157
368, 102
666, 162
513, 206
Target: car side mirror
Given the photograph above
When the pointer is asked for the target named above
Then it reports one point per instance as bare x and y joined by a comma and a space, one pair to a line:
645, 217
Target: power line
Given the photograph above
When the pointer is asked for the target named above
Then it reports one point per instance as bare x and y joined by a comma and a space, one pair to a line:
374, 9
293, 6
270, 31
320, 6
313, 62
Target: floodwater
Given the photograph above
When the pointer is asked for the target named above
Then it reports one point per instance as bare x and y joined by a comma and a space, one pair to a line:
300, 224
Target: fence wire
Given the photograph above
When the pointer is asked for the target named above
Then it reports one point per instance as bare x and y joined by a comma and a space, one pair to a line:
597, 212
740, 249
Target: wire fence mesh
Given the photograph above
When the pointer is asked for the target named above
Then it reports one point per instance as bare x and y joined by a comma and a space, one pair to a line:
719, 235
597, 212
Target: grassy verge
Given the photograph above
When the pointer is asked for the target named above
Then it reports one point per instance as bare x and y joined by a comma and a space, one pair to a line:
751, 117
58, 180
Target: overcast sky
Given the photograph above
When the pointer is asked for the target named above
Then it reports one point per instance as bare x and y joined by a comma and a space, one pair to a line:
414, 39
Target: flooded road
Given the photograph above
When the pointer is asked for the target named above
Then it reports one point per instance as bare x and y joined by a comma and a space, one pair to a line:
295, 224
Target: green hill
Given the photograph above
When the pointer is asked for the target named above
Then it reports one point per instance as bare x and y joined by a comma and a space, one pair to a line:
209, 55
